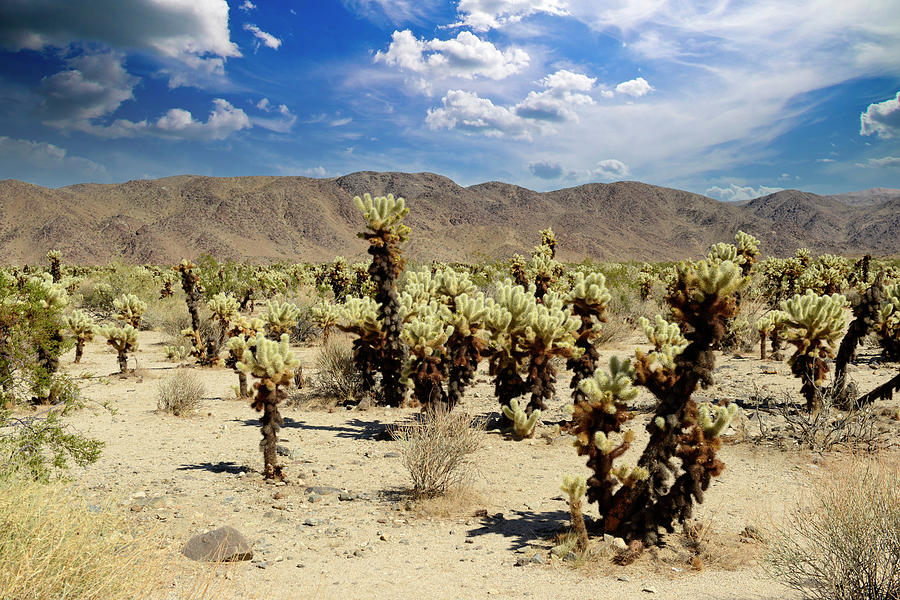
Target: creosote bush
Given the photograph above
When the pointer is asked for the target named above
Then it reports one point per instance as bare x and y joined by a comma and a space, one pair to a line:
180, 394
845, 545
437, 450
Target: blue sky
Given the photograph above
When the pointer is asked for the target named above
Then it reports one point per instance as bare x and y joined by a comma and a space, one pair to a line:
732, 99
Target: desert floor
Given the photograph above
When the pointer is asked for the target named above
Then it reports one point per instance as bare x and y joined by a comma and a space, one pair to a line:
344, 526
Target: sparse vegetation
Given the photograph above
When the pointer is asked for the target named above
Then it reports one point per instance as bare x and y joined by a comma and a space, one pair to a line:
180, 394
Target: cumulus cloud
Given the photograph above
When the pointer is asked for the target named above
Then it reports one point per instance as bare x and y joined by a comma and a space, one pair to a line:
610, 169
278, 124
635, 87
43, 156
262, 38
564, 92
318, 171
735, 193
465, 56
469, 113
546, 170
880, 163
178, 123
93, 86
171, 28
483, 15
881, 119
247, 6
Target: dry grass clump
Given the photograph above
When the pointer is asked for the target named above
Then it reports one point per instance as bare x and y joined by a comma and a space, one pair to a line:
338, 375
845, 543
437, 451
53, 545
180, 394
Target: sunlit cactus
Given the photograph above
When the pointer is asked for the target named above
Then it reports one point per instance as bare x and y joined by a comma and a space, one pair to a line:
384, 219
168, 279
667, 340
130, 309
769, 327
522, 423
551, 332
587, 299
359, 316
190, 283
450, 284
722, 251
237, 346
715, 419
123, 339
426, 336
575, 488
888, 326
280, 318
272, 364
813, 324
82, 326
325, 315
468, 343
517, 268
507, 321
748, 249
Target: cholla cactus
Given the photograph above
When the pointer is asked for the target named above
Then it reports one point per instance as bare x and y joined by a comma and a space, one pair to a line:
888, 326
427, 335
636, 501
190, 283
551, 332
468, 343
272, 364
575, 487
130, 309
517, 268
748, 249
237, 346
667, 341
523, 423
769, 326
359, 316
587, 299
384, 218
507, 322
722, 251
326, 316
280, 318
52, 301
167, 278
54, 257
123, 339
827, 275
813, 324
714, 419
82, 326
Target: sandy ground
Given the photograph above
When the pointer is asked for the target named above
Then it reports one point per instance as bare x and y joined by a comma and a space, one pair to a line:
343, 526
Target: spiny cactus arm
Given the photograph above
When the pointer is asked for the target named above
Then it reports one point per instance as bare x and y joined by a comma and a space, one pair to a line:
814, 321
574, 486
715, 419
384, 214
130, 309
589, 291
523, 423
613, 390
426, 334
271, 362
224, 308
451, 284
81, 324
628, 475
747, 245
721, 252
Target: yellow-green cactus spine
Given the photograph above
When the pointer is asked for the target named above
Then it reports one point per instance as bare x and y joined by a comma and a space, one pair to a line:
272, 364
130, 309
123, 339
326, 316
551, 332
667, 341
469, 342
575, 487
82, 326
426, 336
280, 318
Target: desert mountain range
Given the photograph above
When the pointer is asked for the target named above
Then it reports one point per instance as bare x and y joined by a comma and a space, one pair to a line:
265, 219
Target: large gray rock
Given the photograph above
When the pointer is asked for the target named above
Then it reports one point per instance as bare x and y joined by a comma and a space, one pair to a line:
224, 544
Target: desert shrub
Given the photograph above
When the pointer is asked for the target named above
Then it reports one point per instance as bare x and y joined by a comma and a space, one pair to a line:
180, 394
338, 376
845, 545
437, 450
306, 328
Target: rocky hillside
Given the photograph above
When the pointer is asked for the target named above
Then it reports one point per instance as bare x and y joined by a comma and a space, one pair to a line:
297, 218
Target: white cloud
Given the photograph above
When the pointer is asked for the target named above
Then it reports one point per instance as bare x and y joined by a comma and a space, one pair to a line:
546, 170
824, 160
467, 112
734, 192
178, 123
93, 86
43, 156
178, 29
247, 6
880, 163
483, 15
568, 81
318, 171
635, 87
610, 169
396, 11
282, 124
465, 56
266, 39
881, 118
558, 101
340, 122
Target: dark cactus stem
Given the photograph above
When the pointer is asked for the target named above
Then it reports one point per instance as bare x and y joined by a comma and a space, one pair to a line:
810, 370
762, 346
865, 320
123, 360
79, 350
427, 384
245, 300
55, 271
270, 423
775, 342
464, 353
366, 354
508, 384
585, 365
385, 268
541, 381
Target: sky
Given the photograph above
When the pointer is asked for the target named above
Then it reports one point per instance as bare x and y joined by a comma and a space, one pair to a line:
733, 99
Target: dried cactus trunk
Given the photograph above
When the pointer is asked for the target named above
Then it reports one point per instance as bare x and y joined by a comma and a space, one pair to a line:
270, 423
465, 351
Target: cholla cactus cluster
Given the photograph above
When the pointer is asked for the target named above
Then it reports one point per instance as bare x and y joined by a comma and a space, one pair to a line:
587, 299
130, 309
280, 318
888, 326
83, 326
813, 325
123, 340
272, 364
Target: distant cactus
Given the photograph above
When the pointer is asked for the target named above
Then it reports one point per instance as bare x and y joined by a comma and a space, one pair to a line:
748, 249
769, 326
280, 318
325, 315
384, 219
272, 364
237, 346
190, 283
130, 309
82, 326
54, 257
813, 324
225, 313
123, 339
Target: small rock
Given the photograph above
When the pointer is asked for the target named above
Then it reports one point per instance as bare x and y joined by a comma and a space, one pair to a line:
537, 559
223, 544
570, 557
623, 578
311, 522
136, 508
277, 496
346, 497
282, 450
649, 589
392, 455
322, 490
261, 564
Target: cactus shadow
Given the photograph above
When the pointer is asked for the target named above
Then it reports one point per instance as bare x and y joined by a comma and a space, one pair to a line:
522, 527
356, 429
219, 467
